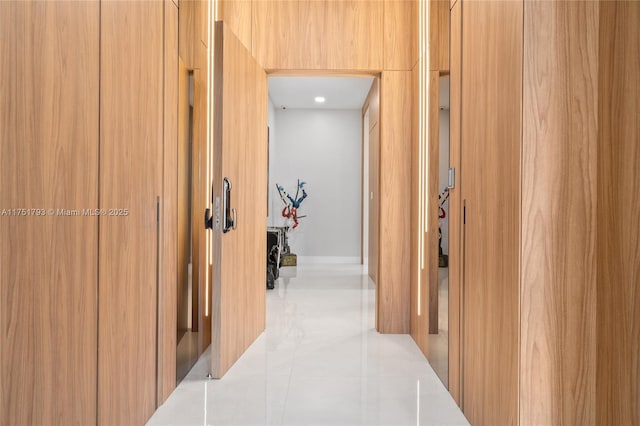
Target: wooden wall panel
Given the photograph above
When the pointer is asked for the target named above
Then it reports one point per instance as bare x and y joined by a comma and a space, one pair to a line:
352, 34
318, 34
618, 259
49, 76
275, 34
400, 34
192, 27
169, 289
373, 104
240, 275
490, 185
558, 276
131, 135
237, 15
455, 208
439, 35
393, 292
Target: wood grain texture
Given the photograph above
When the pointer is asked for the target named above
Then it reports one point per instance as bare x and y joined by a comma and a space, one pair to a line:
372, 103
131, 127
276, 49
318, 34
558, 275
49, 80
237, 14
393, 288
191, 16
439, 35
239, 258
455, 208
400, 34
490, 185
432, 204
618, 259
169, 289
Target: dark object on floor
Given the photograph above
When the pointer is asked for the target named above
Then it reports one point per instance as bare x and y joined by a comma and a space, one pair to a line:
272, 259
443, 259
289, 259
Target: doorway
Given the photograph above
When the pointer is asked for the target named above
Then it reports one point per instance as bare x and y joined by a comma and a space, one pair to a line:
439, 333
319, 157
191, 308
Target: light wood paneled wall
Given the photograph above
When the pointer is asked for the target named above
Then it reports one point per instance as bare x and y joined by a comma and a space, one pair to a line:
618, 259
131, 127
490, 186
275, 33
363, 35
168, 290
393, 292
455, 208
439, 35
240, 95
372, 103
193, 32
49, 79
558, 275
400, 34
318, 34
238, 15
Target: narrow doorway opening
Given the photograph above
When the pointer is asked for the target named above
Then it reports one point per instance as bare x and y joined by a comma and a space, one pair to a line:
439, 336
187, 293
320, 191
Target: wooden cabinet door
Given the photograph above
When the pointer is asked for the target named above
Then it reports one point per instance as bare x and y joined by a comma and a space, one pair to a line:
49, 118
490, 185
131, 137
240, 156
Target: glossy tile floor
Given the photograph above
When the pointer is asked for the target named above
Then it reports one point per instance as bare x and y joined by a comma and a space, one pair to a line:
319, 362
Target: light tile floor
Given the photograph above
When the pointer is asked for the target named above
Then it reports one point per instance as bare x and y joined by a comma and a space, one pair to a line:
319, 362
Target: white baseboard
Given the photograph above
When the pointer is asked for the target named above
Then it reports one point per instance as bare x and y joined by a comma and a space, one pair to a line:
319, 260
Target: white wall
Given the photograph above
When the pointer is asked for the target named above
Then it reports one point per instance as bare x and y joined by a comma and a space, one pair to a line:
322, 148
274, 201
444, 156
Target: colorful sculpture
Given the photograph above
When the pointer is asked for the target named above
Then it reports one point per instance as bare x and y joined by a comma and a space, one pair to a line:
292, 204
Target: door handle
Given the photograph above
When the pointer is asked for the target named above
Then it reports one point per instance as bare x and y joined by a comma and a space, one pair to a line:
229, 215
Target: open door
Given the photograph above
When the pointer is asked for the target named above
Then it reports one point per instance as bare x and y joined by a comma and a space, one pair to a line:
240, 193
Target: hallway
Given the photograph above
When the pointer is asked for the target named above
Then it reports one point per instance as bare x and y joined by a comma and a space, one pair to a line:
319, 361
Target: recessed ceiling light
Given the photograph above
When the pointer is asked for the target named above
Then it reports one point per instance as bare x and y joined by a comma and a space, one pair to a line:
319, 99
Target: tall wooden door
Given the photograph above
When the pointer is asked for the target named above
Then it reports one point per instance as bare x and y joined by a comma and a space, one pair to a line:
131, 137
49, 105
490, 188
240, 200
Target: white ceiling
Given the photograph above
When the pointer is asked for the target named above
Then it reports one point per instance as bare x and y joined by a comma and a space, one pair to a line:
339, 92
